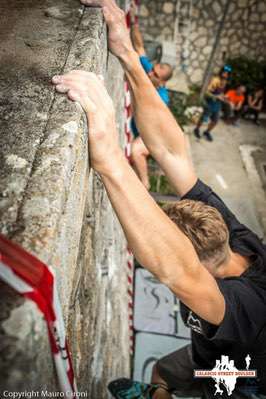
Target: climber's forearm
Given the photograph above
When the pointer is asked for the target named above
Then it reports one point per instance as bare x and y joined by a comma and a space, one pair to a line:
155, 122
154, 239
137, 40
157, 126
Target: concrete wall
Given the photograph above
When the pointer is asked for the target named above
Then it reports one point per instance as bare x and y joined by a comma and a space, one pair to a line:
53, 204
244, 31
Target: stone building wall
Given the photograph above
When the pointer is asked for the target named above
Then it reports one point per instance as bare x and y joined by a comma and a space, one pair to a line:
53, 204
157, 19
244, 31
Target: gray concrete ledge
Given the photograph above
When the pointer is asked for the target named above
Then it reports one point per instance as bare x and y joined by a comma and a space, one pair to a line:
52, 204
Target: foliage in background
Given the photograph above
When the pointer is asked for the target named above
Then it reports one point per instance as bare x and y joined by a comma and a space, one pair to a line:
193, 98
179, 102
250, 72
159, 182
178, 106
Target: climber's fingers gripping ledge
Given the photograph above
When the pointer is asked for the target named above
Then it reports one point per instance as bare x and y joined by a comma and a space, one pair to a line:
89, 91
86, 88
119, 40
118, 35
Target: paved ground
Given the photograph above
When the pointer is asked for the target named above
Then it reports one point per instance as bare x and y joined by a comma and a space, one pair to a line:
221, 164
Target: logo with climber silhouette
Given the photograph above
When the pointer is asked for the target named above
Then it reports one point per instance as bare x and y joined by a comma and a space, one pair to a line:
225, 374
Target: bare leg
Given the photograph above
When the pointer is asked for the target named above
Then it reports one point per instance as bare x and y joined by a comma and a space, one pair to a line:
139, 157
207, 133
199, 123
197, 128
160, 393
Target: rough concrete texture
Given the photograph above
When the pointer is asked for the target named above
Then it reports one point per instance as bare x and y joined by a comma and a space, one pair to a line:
52, 204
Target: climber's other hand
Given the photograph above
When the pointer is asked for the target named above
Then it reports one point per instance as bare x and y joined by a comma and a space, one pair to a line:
88, 89
118, 35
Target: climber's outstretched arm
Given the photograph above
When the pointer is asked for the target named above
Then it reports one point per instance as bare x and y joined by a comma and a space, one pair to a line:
157, 126
155, 240
137, 40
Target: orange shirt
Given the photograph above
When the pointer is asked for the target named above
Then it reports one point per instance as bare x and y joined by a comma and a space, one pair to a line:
234, 97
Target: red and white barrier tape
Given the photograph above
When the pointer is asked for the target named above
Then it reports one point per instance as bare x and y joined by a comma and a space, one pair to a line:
128, 135
32, 279
128, 116
128, 112
130, 289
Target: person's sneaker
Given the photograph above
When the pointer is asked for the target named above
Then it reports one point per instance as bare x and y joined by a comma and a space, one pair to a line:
123, 388
208, 136
196, 132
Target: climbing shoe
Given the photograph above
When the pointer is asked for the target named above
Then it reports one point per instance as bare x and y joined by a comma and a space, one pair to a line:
124, 388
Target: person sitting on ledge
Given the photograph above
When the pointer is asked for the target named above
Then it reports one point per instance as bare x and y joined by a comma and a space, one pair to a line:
233, 106
254, 105
214, 264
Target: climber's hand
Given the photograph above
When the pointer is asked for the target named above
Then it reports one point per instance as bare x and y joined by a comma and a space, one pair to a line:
85, 88
89, 90
118, 35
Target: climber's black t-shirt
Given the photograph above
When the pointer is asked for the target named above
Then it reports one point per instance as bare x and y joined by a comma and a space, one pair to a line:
243, 330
